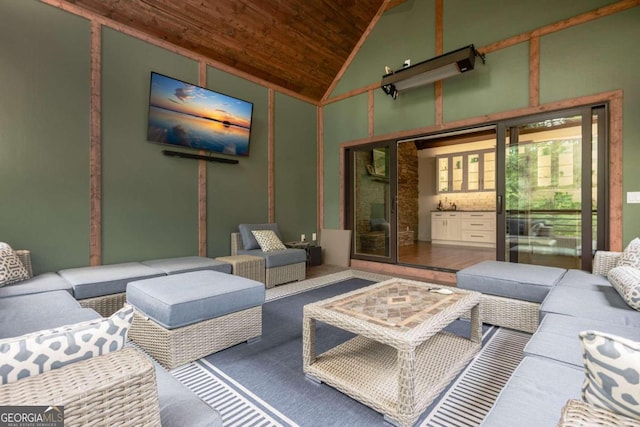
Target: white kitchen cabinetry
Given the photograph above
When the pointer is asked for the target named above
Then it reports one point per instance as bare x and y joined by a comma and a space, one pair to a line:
464, 228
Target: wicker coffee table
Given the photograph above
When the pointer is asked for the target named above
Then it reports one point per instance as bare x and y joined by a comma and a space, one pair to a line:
400, 359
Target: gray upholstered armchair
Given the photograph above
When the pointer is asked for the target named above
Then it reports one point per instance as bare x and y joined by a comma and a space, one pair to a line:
282, 266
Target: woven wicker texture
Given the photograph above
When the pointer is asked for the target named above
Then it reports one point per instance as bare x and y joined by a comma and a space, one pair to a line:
396, 371
274, 276
581, 414
105, 305
117, 389
25, 258
603, 261
175, 347
250, 267
510, 313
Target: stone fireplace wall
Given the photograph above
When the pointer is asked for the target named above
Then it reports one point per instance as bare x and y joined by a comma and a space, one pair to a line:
407, 193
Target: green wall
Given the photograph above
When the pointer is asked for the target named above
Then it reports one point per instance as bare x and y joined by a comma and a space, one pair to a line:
44, 133
149, 201
586, 59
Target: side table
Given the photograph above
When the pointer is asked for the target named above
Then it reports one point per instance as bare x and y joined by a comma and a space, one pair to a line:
248, 266
314, 253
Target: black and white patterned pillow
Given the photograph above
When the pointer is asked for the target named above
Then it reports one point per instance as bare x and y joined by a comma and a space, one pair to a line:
38, 352
631, 254
612, 368
626, 280
11, 268
268, 240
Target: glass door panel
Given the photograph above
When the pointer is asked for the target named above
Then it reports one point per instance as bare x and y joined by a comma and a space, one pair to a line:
443, 174
457, 177
544, 191
373, 211
489, 170
473, 172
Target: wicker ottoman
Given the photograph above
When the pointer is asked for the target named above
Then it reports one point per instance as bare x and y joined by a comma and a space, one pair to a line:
183, 317
512, 292
251, 267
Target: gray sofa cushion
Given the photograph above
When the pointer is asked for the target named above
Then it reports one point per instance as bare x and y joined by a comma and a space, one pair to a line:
535, 394
89, 282
278, 258
24, 314
42, 283
584, 280
605, 305
510, 280
557, 337
183, 299
180, 406
248, 239
187, 264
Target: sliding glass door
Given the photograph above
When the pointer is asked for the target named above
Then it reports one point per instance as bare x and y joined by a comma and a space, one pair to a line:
371, 196
551, 202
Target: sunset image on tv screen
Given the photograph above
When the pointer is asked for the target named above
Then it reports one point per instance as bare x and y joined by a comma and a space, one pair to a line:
190, 116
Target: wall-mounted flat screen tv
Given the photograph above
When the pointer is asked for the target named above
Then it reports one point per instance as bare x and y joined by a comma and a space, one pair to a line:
185, 115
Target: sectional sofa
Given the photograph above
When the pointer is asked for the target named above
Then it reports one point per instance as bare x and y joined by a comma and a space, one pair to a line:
123, 387
548, 388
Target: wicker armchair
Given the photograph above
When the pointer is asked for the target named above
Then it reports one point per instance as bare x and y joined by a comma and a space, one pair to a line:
276, 275
25, 257
117, 389
581, 414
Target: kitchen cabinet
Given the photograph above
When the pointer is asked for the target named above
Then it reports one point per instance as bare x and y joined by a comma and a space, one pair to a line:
467, 171
464, 228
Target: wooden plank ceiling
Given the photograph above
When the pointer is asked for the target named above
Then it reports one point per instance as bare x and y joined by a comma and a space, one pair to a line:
299, 45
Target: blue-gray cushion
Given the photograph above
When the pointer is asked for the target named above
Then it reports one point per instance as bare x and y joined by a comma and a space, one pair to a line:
505, 279
584, 280
89, 282
23, 314
605, 305
557, 337
187, 264
248, 239
278, 258
184, 299
45, 282
535, 394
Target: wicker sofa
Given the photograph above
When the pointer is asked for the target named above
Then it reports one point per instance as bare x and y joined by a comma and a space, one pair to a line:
123, 387
546, 388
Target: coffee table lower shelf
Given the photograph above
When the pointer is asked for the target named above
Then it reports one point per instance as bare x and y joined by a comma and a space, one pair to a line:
367, 371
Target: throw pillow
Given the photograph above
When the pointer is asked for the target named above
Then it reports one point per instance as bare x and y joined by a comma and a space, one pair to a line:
631, 254
38, 352
268, 240
612, 368
626, 280
11, 268
248, 239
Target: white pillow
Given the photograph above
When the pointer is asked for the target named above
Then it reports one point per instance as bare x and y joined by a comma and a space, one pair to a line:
38, 352
612, 369
11, 268
626, 280
631, 254
268, 240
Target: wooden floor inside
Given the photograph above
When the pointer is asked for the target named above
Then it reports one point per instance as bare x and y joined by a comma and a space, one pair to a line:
450, 257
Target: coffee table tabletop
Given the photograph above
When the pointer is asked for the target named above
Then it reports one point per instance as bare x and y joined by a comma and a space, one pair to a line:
400, 359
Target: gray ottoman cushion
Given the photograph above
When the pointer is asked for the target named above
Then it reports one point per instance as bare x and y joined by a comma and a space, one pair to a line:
187, 264
584, 280
535, 394
278, 258
45, 282
505, 279
24, 314
183, 299
89, 282
605, 305
557, 337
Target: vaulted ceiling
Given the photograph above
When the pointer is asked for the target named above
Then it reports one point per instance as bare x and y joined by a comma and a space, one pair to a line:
299, 45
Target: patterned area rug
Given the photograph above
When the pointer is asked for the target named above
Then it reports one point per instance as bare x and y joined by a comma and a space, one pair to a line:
465, 403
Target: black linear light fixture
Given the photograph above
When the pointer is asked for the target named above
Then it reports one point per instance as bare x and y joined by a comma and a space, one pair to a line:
423, 73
